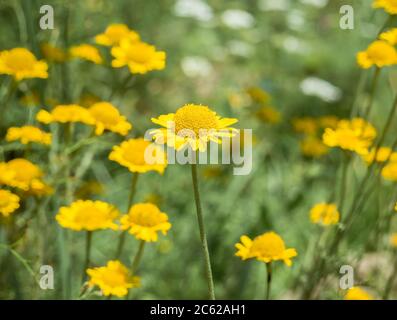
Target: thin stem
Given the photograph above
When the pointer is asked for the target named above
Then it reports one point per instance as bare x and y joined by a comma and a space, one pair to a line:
88, 242
367, 111
203, 236
343, 185
138, 256
269, 279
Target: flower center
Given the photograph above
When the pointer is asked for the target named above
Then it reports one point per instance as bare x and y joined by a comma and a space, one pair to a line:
136, 152
114, 278
268, 245
140, 53
20, 59
105, 113
24, 170
194, 118
145, 215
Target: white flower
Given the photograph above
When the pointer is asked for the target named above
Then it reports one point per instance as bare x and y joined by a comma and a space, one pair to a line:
197, 9
295, 19
295, 45
271, 5
240, 48
195, 66
320, 88
237, 19
316, 3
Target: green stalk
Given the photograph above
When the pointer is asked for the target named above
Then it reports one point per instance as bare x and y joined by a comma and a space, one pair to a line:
88, 244
269, 279
138, 256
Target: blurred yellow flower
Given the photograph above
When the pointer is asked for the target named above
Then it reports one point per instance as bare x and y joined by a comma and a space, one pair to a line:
131, 154
379, 53
108, 117
393, 240
325, 214
86, 52
52, 53
355, 135
389, 171
9, 202
390, 36
113, 279
140, 57
192, 125
267, 247
88, 215
66, 113
306, 125
269, 114
27, 134
114, 33
357, 293
258, 95
390, 6
382, 154
328, 121
311, 146
144, 220
22, 64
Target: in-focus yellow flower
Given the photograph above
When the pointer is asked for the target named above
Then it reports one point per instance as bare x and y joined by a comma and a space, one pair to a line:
389, 171
66, 113
390, 36
357, 293
328, 122
393, 240
325, 214
140, 57
267, 247
259, 95
144, 220
22, 64
390, 6
192, 125
135, 153
86, 52
379, 53
88, 215
355, 135
108, 117
382, 154
9, 202
114, 33
113, 279
52, 53
306, 125
311, 146
269, 114
27, 134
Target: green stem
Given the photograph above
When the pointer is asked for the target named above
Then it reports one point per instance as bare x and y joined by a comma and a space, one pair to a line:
88, 242
269, 279
373, 87
203, 236
342, 195
138, 257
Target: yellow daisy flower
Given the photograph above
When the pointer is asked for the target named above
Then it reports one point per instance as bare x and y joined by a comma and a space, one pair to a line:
52, 53
269, 114
86, 52
389, 36
379, 53
389, 171
306, 125
267, 247
27, 134
355, 135
22, 64
393, 240
390, 6
133, 152
66, 113
382, 154
325, 214
192, 125
9, 202
88, 215
140, 57
113, 279
108, 117
114, 33
311, 146
144, 220
357, 293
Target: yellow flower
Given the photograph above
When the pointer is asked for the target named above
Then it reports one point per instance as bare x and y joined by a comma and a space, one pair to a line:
390, 6
269, 114
390, 36
52, 53
22, 64
133, 154
328, 122
355, 135
192, 125
27, 134
267, 247
9, 202
144, 220
325, 214
113, 279
382, 155
66, 113
140, 57
393, 240
86, 52
389, 171
88, 215
114, 33
107, 117
379, 53
311, 146
258, 95
306, 125
357, 293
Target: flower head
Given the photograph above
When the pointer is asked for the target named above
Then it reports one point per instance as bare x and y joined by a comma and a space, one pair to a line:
88, 215
390, 6
135, 153
114, 33
113, 279
108, 117
306, 125
9, 202
192, 125
393, 240
379, 53
140, 57
389, 36
22, 64
258, 95
355, 135
52, 53
269, 114
144, 220
27, 134
357, 293
312, 146
267, 247
325, 214
86, 52
389, 171
382, 155
66, 113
